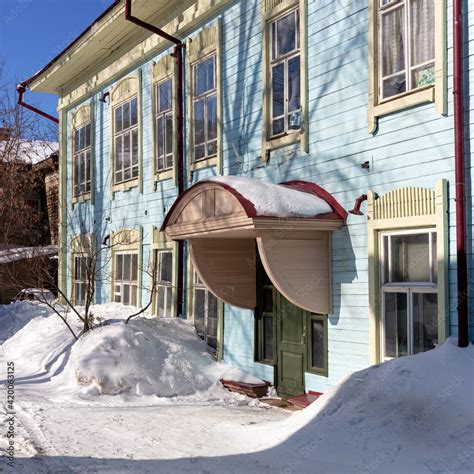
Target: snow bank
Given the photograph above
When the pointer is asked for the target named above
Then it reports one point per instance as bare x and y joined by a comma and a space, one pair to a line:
274, 200
161, 357
413, 414
14, 317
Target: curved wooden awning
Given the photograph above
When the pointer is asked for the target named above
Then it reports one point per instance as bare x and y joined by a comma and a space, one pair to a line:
222, 218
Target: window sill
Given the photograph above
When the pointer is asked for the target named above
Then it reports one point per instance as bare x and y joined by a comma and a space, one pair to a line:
81, 198
206, 163
163, 175
402, 102
285, 140
321, 372
126, 185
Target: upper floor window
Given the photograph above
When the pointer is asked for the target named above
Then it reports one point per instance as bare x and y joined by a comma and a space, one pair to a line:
164, 125
285, 74
82, 160
205, 108
407, 46
126, 141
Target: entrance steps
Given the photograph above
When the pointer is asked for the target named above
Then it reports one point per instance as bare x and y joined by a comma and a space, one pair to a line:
304, 400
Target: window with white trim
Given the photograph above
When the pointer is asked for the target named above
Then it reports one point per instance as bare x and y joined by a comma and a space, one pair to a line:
409, 292
285, 74
406, 46
164, 290
164, 125
82, 160
204, 108
126, 278
81, 273
205, 312
126, 141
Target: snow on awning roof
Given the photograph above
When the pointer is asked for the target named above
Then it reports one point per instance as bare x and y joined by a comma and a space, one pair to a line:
23, 253
275, 200
223, 217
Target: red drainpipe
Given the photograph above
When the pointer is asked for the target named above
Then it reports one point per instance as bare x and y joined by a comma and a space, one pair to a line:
21, 88
458, 91
178, 55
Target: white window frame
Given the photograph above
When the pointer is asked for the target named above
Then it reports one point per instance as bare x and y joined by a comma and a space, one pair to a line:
167, 158
284, 59
409, 288
409, 67
84, 154
164, 288
204, 97
120, 284
130, 131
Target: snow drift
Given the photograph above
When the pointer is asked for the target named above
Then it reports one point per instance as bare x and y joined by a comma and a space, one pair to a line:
162, 357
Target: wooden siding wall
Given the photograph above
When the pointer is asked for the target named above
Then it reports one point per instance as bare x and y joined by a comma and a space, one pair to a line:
413, 147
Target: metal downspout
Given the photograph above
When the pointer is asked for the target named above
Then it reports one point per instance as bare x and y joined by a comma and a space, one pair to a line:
458, 91
178, 55
21, 88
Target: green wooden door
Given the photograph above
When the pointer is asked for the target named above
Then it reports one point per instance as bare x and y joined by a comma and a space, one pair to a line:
291, 347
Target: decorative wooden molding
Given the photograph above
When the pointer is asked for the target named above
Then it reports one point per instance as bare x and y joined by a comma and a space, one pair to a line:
163, 68
124, 90
204, 43
125, 239
82, 243
81, 116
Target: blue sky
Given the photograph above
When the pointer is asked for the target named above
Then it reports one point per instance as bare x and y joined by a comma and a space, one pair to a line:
32, 32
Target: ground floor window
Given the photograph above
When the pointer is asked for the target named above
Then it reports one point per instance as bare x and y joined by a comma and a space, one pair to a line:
317, 343
164, 290
205, 312
126, 278
81, 279
409, 314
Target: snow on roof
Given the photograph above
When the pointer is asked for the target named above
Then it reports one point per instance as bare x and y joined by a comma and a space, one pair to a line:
32, 151
21, 253
275, 200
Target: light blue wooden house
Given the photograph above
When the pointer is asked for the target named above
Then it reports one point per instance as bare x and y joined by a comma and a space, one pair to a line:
349, 103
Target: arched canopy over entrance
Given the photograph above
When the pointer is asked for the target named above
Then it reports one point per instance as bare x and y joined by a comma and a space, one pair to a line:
291, 223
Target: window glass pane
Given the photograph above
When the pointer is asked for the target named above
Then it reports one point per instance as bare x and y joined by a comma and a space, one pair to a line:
385, 257
126, 115
425, 321
134, 147
126, 267
76, 140
119, 267
134, 111
133, 295
395, 325
286, 34
204, 76
211, 333
118, 119
199, 308
126, 294
160, 137
88, 171
199, 136
393, 51
317, 344
88, 135
268, 338
166, 266
169, 134
169, 300
278, 126
422, 31
294, 84
118, 153
212, 117
161, 301
126, 156
410, 258
278, 90
164, 96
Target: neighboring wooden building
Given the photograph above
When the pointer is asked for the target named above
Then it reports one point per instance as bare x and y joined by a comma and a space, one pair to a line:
340, 104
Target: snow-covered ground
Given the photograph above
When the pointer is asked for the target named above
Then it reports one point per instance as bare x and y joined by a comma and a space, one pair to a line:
145, 398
